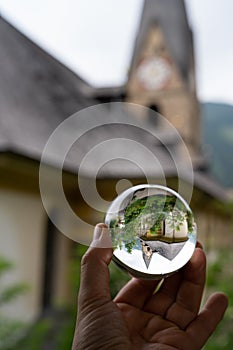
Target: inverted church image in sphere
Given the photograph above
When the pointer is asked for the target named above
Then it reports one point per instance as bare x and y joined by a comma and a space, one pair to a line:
152, 229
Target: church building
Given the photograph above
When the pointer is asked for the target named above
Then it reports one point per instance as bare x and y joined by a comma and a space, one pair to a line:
38, 93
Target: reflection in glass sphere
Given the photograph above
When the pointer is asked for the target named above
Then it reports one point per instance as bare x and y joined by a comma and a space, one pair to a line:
152, 229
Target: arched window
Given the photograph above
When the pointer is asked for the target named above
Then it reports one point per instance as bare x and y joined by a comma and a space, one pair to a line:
152, 114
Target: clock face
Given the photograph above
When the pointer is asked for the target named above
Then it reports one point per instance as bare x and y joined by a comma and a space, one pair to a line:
154, 73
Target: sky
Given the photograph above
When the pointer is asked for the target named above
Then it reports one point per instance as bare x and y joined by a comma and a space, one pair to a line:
95, 38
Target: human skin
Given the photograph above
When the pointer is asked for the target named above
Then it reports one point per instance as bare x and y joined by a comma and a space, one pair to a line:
139, 318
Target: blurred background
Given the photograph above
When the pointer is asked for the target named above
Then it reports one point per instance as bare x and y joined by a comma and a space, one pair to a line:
58, 57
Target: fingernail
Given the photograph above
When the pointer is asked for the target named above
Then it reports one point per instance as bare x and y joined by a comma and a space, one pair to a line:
101, 237
98, 232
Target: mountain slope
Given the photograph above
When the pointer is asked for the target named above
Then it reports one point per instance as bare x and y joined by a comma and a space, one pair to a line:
217, 140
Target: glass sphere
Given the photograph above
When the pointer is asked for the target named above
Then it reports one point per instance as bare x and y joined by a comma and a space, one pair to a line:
153, 231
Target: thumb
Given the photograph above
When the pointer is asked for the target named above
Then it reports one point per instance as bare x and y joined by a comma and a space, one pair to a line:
94, 286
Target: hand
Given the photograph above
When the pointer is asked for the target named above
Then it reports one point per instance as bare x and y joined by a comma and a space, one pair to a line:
138, 318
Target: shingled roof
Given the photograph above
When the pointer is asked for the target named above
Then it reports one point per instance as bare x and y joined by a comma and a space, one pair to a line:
37, 93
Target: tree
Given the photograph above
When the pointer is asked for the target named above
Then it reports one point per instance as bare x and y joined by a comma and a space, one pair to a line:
148, 214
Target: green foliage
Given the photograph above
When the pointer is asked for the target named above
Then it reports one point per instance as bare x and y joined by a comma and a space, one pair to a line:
65, 336
58, 335
5, 265
10, 331
10, 293
34, 337
151, 211
159, 208
55, 330
75, 266
49, 332
219, 277
129, 246
118, 278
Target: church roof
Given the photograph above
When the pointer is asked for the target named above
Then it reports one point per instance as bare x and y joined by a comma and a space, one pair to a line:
37, 93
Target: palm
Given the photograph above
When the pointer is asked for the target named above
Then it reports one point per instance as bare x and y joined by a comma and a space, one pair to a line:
169, 318
146, 330
140, 319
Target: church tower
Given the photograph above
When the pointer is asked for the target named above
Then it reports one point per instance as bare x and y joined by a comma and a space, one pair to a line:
161, 76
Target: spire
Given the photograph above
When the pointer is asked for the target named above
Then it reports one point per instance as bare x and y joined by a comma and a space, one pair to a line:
146, 253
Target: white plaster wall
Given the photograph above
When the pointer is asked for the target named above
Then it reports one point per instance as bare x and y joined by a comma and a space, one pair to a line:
182, 233
168, 229
22, 234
